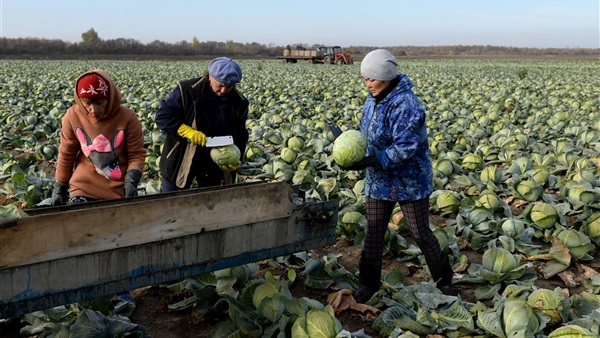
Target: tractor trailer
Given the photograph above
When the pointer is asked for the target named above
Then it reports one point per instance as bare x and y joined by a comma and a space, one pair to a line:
325, 55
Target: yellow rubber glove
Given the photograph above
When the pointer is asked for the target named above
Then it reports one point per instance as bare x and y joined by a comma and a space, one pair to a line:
230, 168
196, 137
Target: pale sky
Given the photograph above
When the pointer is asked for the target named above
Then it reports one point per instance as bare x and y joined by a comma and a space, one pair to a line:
509, 23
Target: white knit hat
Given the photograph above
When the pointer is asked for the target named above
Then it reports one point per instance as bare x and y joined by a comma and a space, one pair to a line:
379, 64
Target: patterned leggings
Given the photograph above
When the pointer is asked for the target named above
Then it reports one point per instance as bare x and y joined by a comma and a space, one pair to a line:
416, 214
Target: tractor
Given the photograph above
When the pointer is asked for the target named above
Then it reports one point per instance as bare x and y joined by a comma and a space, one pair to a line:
335, 55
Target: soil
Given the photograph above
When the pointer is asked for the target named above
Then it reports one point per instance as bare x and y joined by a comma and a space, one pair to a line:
152, 302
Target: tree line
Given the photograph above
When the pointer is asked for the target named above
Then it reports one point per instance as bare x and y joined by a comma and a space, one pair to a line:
93, 46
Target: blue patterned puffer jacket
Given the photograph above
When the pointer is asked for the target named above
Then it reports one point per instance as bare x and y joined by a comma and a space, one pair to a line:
397, 136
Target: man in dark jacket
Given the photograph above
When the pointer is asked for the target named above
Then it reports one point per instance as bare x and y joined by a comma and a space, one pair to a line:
209, 105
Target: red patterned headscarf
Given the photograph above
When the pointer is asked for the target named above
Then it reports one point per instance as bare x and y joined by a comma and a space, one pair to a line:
92, 86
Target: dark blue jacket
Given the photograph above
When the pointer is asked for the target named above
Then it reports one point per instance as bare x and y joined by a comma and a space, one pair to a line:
215, 116
397, 135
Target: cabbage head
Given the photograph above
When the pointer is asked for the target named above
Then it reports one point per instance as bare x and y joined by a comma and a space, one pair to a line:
498, 259
585, 175
225, 155
351, 223
582, 193
349, 147
254, 151
499, 264
317, 323
288, 154
592, 228
491, 174
445, 167
472, 162
544, 215
488, 199
447, 201
519, 319
579, 244
572, 330
540, 175
295, 143
547, 302
529, 190
513, 227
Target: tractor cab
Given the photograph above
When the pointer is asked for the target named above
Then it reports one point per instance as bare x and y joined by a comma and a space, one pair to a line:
335, 55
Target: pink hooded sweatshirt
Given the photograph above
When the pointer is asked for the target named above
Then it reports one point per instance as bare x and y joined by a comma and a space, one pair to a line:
94, 155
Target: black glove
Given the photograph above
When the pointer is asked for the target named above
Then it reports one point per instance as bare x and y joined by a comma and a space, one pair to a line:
132, 178
60, 194
367, 161
335, 131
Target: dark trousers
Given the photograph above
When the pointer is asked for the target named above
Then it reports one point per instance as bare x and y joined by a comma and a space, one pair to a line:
202, 181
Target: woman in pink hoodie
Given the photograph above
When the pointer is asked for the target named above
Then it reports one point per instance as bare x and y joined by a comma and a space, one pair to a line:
101, 154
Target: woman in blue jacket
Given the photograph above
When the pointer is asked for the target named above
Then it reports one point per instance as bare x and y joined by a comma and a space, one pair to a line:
398, 171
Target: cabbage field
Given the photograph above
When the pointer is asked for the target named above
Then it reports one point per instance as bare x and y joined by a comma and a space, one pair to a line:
515, 146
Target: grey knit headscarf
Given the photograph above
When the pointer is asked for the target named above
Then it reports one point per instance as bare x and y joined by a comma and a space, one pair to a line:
379, 64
